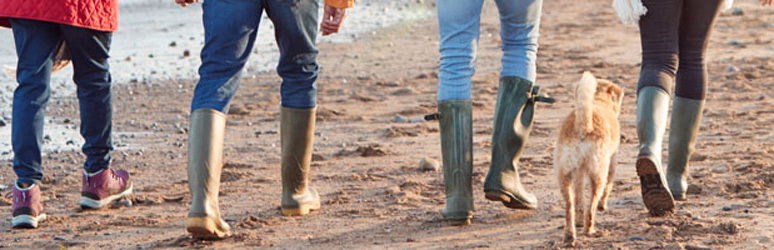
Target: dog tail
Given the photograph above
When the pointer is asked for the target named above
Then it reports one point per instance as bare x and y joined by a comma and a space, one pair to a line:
584, 98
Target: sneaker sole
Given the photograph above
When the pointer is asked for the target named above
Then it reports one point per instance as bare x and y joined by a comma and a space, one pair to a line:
508, 200
303, 210
205, 229
27, 221
89, 203
655, 195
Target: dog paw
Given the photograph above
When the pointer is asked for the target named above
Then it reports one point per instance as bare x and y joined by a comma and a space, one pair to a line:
569, 240
594, 233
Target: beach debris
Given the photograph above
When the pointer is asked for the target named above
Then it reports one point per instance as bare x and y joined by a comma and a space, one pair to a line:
429, 164
176, 198
732, 69
186, 53
2, 123
738, 11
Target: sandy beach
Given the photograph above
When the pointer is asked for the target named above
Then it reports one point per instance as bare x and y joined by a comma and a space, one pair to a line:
377, 80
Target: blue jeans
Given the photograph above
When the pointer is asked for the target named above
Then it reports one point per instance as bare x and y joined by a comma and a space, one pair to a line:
36, 42
459, 26
230, 28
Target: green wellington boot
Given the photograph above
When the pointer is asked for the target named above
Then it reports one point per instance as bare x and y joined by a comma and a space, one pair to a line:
456, 123
652, 111
686, 116
205, 162
512, 124
297, 137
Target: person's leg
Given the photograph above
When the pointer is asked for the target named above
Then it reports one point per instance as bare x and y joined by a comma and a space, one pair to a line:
690, 89
659, 36
230, 28
296, 23
459, 25
89, 51
36, 44
519, 24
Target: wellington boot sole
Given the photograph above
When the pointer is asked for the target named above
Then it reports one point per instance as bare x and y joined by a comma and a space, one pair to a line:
303, 210
206, 229
508, 200
655, 195
458, 222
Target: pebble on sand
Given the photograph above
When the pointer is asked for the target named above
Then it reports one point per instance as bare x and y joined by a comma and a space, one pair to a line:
738, 11
429, 164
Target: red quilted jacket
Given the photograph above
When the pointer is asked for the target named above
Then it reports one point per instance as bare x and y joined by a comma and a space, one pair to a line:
93, 14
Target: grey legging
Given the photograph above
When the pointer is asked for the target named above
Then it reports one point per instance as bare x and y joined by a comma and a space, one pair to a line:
676, 32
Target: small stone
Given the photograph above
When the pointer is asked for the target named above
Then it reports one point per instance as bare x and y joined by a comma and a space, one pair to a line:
2, 123
173, 44
129, 58
181, 131
636, 238
70, 142
694, 247
429, 164
399, 119
732, 69
726, 208
738, 11
734, 42
411, 240
693, 189
138, 153
186, 53
59, 238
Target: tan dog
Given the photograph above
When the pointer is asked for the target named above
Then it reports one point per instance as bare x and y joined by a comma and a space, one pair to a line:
587, 143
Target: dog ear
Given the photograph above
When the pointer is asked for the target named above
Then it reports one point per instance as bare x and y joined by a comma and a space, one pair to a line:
616, 94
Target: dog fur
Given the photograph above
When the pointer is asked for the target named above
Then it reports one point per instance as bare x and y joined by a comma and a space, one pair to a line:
587, 143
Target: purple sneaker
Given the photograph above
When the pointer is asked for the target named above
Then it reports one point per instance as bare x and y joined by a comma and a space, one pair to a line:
103, 187
27, 210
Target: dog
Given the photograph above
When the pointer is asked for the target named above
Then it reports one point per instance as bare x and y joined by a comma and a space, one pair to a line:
588, 140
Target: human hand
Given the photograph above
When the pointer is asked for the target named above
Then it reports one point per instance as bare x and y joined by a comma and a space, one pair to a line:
333, 18
186, 2
766, 2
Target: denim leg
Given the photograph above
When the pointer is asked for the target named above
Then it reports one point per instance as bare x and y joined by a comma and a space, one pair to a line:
89, 51
519, 25
36, 43
459, 25
230, 27
295, 24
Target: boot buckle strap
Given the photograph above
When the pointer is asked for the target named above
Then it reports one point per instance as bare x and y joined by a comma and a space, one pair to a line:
534, 96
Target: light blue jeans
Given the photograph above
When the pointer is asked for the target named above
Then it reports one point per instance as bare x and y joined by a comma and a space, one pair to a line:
459, 25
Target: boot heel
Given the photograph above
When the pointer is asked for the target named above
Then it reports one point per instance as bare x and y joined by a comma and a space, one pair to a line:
303, 210
204, 228
508, 200
655, 195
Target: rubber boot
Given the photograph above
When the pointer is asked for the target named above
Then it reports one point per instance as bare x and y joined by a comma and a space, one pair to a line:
512, 125
686, 116
297, 137
652, 110
456, 124
205, 162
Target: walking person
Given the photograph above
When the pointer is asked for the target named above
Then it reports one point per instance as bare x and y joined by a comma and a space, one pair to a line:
230, 28
674, 36
459, 24
40, 28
